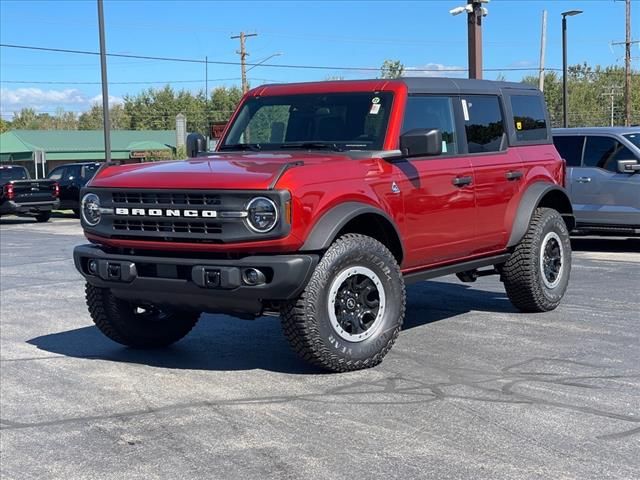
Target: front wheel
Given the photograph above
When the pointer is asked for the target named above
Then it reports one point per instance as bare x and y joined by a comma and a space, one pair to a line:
537, 273
352, 309
136, 325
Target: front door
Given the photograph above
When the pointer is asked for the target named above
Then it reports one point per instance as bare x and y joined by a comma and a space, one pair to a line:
438, 192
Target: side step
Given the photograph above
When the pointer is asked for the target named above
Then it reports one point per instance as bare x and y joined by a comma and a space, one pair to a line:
469, 266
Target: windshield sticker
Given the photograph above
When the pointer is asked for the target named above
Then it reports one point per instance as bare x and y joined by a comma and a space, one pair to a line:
375, 100
465, 110
375, 108
519, 125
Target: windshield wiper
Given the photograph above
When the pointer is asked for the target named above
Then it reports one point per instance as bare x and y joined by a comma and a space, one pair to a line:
313, 146
242, 146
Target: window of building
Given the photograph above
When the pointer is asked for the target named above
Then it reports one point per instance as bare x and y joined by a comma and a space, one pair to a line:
483, 123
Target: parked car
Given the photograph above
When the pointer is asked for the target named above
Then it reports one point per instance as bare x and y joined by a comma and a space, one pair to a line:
320, 203
603, 177
20, 195
72, 177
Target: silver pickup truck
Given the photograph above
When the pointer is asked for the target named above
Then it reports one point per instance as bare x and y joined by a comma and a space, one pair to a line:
21, 195
603, 177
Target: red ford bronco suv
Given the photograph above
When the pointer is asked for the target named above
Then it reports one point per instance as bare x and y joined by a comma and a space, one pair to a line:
322, 201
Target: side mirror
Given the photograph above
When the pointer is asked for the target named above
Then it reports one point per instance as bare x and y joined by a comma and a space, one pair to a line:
196, 144
421, 142
628, 166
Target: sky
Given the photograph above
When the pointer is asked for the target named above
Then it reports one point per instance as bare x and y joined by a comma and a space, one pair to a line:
331, 33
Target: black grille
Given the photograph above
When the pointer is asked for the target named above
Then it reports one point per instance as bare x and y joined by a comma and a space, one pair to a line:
166, 198
171, 226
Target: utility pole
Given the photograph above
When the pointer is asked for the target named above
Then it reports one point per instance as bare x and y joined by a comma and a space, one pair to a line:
543, 47
243, 54
206, 78
474, 32
627, 67
105, 89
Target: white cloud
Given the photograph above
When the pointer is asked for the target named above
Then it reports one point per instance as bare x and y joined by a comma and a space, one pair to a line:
13, 100
435, 70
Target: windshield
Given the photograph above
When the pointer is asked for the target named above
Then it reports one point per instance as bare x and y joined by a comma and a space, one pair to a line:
13, 173
633, 138
337, 121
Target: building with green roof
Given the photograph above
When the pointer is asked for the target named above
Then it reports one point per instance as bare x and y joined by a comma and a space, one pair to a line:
50, 148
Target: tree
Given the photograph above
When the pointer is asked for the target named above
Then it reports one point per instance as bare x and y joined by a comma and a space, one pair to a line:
92, 119
391, 69
4, 125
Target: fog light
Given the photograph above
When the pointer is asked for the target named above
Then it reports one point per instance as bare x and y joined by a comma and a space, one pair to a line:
253, 276
92, 266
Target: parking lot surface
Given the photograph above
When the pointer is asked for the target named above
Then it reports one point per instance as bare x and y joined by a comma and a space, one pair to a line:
472, 388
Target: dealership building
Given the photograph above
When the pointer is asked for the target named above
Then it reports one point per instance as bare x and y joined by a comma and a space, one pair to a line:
42, 150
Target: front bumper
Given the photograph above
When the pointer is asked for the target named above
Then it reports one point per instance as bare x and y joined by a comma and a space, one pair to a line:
201, 284
33, 208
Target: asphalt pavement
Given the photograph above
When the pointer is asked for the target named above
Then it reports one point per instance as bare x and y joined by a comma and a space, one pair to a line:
472, 388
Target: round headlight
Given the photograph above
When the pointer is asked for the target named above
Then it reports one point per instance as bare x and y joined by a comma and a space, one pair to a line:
262, 214
90, 207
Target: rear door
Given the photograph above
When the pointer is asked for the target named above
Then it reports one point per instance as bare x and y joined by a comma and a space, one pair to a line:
438, 192
498, 170
600, 194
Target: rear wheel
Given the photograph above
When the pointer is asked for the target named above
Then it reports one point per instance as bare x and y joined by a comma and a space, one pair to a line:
537, 273
351, 311
43, 217
137, 325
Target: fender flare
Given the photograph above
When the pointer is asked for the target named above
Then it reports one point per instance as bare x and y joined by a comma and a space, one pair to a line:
530, 200
327, 228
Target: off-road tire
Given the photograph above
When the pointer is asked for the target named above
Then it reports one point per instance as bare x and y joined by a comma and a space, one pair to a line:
522, 273
306, 320
43, 217
116, 319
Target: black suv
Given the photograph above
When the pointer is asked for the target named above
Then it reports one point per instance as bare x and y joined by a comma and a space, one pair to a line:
72, 177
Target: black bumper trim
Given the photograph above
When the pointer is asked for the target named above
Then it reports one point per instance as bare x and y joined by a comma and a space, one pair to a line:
11, 207
177, 281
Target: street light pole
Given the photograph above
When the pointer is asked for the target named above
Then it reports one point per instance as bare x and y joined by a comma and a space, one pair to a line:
105, 89
565, 89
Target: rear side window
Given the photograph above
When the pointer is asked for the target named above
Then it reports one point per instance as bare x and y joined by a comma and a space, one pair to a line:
604, 152
529, 119
570, 148
483, 123
432, 112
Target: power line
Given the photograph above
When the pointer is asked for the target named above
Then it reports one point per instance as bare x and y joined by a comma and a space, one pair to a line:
271, 65
115, 83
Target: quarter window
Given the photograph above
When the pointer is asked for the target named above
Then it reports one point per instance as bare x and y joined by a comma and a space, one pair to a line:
604, 152
570, 148
483, 123
529, 119
429, 113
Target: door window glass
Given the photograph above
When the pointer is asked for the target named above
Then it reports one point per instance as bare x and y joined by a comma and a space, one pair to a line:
529, 119
429, 113
570, 148
71, 173
483, 123
56, 173
604, 152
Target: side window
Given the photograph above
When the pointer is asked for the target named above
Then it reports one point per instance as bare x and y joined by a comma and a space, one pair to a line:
570, 148
604, 152
56, 173
528, 117
483, 123
71, 173
432, 112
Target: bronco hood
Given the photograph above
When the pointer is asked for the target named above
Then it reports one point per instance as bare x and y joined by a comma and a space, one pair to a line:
233, 171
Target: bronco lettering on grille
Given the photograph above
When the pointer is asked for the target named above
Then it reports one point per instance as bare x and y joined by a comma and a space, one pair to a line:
165, 212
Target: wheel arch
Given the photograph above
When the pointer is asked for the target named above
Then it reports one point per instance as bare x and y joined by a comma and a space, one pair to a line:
355, 217
540, 194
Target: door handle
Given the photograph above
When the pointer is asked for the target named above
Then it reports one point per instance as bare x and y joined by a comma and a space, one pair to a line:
513, 175
462, 181
584, 179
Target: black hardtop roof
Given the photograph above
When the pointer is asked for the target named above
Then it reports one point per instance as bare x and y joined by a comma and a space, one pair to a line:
462, 85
